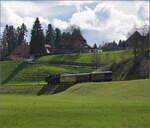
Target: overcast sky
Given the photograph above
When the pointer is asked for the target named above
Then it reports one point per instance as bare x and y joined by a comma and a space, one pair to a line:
99, 21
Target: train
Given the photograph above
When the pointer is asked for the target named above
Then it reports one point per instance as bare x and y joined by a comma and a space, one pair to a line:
78, 78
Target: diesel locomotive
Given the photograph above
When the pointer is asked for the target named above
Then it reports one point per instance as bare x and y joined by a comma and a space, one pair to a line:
80, 77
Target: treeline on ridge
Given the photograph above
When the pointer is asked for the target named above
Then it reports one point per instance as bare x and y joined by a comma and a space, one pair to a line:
71, 39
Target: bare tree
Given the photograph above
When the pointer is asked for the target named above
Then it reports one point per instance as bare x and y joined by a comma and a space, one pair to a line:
96, 59
144, 30
144, 68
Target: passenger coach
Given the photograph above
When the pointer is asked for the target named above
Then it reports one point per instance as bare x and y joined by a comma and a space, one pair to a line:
80, 77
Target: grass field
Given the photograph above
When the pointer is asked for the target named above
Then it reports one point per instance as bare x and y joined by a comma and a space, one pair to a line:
104, 57
122, 104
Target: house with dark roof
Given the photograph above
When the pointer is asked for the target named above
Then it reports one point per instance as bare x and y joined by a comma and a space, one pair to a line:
138, 43
137, 38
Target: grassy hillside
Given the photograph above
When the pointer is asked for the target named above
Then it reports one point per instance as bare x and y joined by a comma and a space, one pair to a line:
132, 68
104, 57
9, 69
122, 104
121, 90
19, 72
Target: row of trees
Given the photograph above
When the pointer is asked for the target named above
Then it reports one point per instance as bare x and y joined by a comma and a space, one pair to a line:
12, 37
38, 39
53, 37
71, 39
112, 46
137, 40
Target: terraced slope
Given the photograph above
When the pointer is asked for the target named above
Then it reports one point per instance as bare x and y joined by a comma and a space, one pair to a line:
19, 72
14, 72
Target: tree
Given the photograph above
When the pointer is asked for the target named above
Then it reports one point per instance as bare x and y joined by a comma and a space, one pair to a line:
144, 68
4, 43
95, 46
50, 35
110, 46
37, 39
121, 45
143, 30
73, 40
134, 42
58, 38
73, 29
96, 59
11, 38
21, 33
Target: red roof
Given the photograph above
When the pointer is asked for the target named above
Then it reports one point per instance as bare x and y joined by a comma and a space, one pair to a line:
21, 51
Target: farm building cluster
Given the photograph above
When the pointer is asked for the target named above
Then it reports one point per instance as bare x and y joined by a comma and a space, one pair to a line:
23, 51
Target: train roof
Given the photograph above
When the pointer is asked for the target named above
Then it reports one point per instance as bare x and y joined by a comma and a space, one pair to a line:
102, 72
80, 74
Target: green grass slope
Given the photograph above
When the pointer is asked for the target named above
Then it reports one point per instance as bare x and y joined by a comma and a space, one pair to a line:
104, 57
14, 72
9, 69
122, 104
122, 90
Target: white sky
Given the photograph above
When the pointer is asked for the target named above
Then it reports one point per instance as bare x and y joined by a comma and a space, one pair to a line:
99, 21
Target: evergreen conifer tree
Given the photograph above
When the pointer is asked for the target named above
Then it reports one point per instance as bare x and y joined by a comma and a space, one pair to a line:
21, 32
50, 36
37, 39
4, 42
58, 38
11, 38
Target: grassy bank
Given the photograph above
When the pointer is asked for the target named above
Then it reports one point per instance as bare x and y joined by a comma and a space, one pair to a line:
122, 104
18, 72
104, 57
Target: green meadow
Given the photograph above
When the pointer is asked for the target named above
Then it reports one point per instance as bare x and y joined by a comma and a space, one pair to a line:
116, 104
120, 104
104, 57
